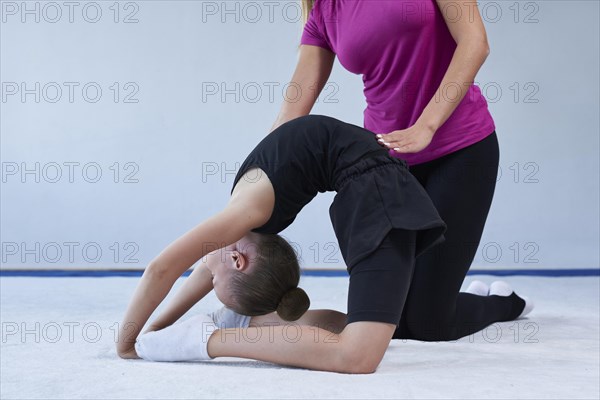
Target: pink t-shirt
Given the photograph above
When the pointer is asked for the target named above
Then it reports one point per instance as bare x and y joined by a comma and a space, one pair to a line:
402, 48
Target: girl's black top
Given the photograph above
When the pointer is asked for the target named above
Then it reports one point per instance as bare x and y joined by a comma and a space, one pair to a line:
305, 156
375, 191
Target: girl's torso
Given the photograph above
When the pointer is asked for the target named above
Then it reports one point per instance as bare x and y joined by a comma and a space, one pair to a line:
303, 157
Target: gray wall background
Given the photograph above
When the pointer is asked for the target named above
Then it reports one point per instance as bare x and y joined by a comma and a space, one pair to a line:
108, 180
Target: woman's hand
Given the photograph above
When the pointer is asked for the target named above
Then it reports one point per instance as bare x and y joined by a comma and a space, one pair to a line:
411, 140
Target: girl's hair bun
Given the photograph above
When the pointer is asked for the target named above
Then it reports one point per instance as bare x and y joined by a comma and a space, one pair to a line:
293, 304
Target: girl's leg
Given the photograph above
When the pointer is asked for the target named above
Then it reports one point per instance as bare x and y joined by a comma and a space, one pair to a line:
358, 349
330, 320
377, 292
461, 186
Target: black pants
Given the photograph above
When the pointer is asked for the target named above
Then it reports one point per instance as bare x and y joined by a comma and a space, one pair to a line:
423, 293
461, 186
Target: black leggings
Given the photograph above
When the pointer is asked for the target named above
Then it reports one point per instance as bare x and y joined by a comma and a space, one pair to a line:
424, 292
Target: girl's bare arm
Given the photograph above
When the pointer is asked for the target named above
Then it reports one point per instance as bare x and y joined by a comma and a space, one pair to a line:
245, 211
194, 288
228, 226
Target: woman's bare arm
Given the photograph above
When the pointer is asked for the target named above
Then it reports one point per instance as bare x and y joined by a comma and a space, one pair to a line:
472, 49
312, 72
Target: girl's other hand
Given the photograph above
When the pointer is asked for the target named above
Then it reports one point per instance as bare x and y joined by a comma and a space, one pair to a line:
130, 354
151, 328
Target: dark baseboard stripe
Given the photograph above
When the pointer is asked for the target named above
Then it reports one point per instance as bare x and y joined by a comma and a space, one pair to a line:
56, 273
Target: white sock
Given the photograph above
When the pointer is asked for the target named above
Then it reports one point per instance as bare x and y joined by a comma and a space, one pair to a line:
479, 288
501, 288
184, 341
227, 318
528, 306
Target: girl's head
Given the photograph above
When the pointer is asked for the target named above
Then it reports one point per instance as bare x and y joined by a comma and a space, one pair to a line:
257, 275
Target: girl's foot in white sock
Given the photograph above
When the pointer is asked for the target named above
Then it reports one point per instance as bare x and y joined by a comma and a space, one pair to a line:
182, 341
225, 317
501, 288
479, 288
528, 306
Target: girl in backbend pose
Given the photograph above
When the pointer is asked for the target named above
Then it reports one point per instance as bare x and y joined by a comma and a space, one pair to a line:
382, 218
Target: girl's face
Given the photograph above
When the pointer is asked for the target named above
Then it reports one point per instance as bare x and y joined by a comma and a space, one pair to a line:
224, 262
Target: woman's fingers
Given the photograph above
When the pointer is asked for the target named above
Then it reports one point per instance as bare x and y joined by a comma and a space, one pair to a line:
392, 140
399, 146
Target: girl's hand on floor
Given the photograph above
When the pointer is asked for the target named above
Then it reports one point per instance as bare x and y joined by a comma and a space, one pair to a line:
151, 328
131, 354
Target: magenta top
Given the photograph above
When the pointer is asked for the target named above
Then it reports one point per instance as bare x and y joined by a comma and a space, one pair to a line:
402, 48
